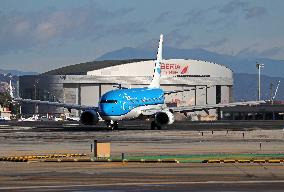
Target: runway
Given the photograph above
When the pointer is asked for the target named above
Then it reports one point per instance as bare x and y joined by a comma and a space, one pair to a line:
145, 125
139, 177
135, 140
162, 186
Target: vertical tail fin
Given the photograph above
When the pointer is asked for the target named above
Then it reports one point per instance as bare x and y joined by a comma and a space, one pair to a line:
155, 83
11, 90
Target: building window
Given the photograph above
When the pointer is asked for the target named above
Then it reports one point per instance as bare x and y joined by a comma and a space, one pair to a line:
218, 94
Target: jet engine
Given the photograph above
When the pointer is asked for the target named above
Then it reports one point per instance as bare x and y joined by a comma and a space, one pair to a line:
164, 118
89, 117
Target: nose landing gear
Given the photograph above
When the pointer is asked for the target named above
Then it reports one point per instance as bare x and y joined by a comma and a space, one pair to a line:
112, 125
154, 126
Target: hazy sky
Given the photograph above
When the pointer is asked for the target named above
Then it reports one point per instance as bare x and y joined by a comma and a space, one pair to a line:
38, 35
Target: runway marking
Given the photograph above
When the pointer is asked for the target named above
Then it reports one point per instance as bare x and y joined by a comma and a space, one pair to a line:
142, 184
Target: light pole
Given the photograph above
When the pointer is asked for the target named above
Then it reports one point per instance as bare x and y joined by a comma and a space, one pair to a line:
258, 66
35, 92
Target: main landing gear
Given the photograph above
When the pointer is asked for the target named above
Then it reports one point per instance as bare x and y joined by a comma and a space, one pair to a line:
112, 125
155, 126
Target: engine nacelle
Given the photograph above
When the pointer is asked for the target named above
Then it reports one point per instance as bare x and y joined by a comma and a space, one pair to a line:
89, 117
164, 118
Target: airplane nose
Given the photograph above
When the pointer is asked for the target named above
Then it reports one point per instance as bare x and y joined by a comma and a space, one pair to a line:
106, 109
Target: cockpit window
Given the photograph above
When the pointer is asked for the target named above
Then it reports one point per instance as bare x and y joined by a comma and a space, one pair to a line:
108, 101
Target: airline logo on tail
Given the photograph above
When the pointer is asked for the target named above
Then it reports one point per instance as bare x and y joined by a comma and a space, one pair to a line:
159, 70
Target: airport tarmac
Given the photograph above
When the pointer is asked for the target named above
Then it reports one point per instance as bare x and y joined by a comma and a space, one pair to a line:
135, 139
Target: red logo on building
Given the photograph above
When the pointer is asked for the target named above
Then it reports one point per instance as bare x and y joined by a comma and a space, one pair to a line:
173, 69
184, 70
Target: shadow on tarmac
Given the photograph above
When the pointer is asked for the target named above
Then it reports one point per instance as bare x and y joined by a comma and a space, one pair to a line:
145, 125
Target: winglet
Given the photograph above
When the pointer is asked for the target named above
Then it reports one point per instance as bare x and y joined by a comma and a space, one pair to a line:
155, 83
276, 90
11, 90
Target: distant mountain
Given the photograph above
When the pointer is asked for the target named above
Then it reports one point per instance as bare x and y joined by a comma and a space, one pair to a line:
245, 78
245, 87
16, 72
127, 53
239, 64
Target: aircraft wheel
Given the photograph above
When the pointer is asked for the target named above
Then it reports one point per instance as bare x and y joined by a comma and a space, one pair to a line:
115, 125
153, 125
110, 125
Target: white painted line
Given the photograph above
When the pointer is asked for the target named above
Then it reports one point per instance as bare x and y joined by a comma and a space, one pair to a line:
142, 184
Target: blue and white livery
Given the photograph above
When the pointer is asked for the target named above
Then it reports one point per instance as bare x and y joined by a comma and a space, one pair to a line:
117, 105
142, 103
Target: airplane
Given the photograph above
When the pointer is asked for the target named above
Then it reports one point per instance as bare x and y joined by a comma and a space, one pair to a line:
131, 103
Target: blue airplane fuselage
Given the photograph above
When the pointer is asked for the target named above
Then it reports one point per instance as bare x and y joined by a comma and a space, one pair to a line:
121, 102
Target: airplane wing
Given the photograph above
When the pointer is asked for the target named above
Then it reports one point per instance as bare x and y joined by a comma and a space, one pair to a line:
213, 106
56, 104
193, 108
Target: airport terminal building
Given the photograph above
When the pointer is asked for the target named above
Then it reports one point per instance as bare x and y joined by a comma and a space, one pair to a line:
85, 83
